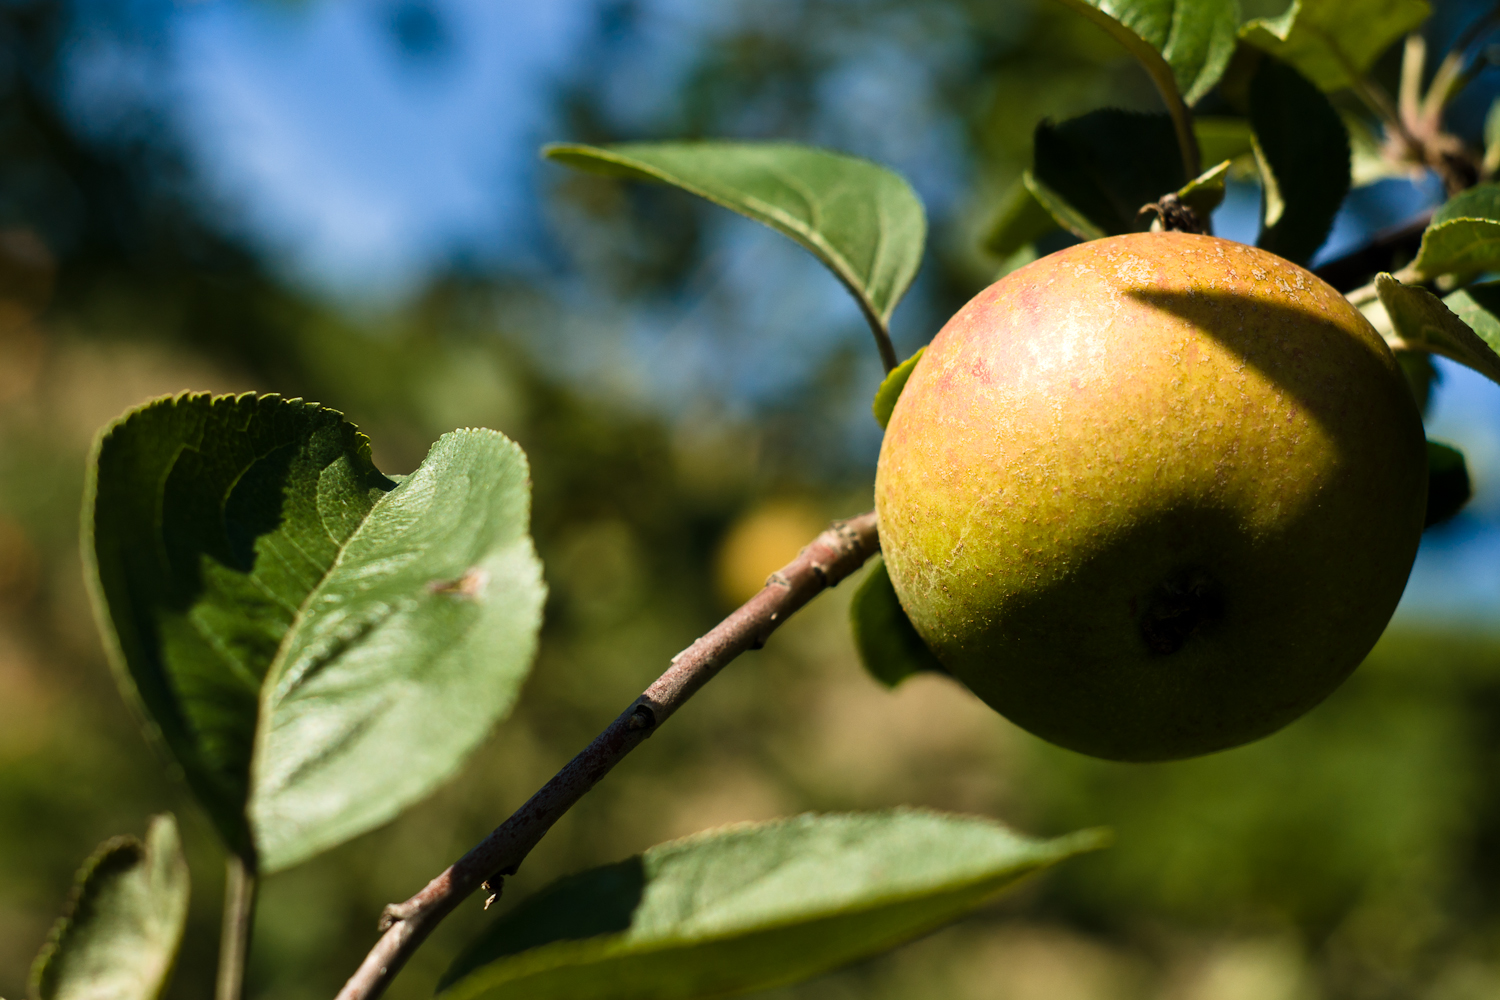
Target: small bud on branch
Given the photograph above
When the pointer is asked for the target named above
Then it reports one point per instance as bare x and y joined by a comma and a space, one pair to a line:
828, 559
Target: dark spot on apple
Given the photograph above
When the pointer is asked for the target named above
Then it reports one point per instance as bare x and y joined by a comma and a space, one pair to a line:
1178, 607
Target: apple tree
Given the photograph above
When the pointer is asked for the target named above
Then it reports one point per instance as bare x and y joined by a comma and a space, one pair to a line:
318, 645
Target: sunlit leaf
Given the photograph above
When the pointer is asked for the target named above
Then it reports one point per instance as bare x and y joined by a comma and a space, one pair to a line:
407, 652
1188, 42
1422, 322
1105, 165
1464, 235
860, 219
119, 938
887, 642
890, 388
1448, 487
1205, 192
231, 540
748, 907
1303, 152
1332, 42
1479, 307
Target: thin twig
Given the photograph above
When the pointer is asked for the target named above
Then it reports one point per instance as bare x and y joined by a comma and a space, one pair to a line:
1451, 75
234, 936
1372, 94
1413, 65
830, 557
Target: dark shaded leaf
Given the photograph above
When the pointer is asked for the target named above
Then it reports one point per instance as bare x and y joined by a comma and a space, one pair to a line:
749, 907
1303, 152
1448, 486
860, 219
207, 522
1333, 41
1106, 165
124, 924
1063, 213
888, 643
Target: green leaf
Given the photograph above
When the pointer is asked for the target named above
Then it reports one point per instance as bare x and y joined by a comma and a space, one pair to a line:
1020, 221
1223, 137
860, 219
1205, 192
890, 388
1024, 214
1105, 165
1479, 307
1335, 42
1422, 322
1064, 214
1303, 152
232, 540
1464, 235
120, 936
888, 643
749, 907
207, 523
1182, 43
1448, 486
410, 649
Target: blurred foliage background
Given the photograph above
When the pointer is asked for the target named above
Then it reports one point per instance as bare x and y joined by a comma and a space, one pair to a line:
693, 395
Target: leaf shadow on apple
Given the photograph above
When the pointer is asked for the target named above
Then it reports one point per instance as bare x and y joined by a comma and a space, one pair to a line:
1180, 632
1154, 496
1237, 595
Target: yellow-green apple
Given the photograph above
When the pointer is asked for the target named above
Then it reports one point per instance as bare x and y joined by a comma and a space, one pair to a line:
1153, 496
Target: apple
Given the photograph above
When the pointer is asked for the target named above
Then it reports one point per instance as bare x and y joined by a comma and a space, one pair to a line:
1154, 495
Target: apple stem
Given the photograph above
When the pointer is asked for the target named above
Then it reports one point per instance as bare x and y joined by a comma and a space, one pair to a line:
1175, 214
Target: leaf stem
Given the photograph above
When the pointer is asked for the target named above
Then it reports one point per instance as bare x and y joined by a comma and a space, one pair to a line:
829, 558
882, 333
1413, 65
240, 886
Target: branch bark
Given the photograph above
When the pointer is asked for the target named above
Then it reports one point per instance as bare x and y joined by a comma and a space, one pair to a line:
828, 559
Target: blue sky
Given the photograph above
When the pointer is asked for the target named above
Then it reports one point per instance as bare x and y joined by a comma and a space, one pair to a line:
361, 163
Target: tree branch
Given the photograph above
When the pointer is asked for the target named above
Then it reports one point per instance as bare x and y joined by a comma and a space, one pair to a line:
829, 558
